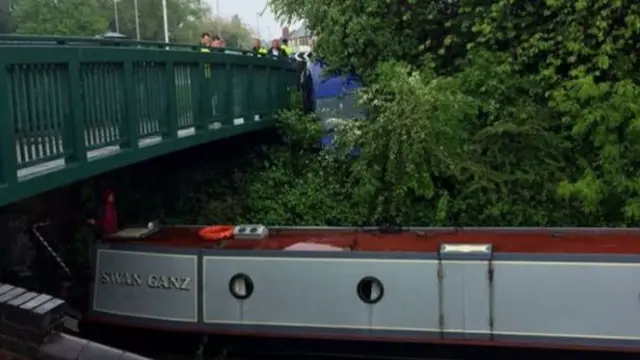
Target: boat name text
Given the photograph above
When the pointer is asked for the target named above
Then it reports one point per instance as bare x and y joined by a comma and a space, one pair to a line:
152, 281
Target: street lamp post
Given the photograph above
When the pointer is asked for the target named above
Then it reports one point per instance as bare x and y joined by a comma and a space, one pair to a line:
259, 15
115, 14
219, 23
258, 24
135, 9
166, 22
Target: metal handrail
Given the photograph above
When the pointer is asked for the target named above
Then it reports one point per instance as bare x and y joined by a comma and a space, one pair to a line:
17, 39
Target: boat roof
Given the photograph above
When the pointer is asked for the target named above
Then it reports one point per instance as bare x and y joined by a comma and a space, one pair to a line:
502, 240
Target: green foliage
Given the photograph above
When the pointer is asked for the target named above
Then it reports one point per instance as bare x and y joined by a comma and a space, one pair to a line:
413, 143
288, 180
605, 122
235, 33
299, 183
6, 23
502, 113
357, 35
526, 114
64, 17
183, 18
187, 19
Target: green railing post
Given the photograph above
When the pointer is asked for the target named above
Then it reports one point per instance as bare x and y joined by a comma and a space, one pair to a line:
198, 84
210, 101
8, 157
250, 114
269, 95
130, 127
230, 105
283, 86
74, 129
172, 111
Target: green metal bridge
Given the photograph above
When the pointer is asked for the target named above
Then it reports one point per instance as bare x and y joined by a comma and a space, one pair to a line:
71, 108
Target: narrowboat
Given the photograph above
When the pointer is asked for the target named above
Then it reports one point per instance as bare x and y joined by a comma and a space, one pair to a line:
537, 287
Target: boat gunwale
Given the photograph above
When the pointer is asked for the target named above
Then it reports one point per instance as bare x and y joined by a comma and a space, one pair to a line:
436, 229
512, 240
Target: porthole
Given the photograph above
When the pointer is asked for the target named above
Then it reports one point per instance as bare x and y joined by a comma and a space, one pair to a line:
370, 290
240, 286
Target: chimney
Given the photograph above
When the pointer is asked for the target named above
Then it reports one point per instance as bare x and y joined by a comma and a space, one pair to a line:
285, 32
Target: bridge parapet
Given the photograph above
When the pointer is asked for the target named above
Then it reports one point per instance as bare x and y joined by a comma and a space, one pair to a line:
73, 108
32, 40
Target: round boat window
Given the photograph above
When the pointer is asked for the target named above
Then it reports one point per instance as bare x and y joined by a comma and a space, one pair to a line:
253, 230
370, 290
242, 230
241, 286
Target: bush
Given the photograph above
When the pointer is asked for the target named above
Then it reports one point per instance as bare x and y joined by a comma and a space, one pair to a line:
480, 114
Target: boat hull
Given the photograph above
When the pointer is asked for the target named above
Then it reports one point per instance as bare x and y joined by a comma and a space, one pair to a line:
549, 300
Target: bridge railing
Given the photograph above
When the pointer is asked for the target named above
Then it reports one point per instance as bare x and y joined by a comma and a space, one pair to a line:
32, 40
69, 112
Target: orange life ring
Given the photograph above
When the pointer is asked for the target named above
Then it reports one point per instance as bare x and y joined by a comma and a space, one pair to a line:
216, 232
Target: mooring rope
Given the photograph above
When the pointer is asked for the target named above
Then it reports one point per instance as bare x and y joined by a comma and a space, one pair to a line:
35, 228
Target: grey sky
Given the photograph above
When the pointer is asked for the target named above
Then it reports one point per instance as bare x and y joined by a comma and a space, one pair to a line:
247, 10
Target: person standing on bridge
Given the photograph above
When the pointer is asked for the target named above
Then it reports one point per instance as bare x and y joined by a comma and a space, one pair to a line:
286, 48
216, 43
205, 42
205, 47
257, 48
276, 50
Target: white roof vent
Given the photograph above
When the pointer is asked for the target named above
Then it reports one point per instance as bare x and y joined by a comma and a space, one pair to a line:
250, 232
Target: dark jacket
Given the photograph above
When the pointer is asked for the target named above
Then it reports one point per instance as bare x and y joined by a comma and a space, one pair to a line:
279, 52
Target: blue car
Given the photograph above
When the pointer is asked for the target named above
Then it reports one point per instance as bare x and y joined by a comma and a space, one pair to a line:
334, 99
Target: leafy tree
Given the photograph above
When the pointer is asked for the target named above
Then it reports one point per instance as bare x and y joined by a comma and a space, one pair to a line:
184, 19
549, 89
63, 17
413, 145
187, 19
581, 54
235, 33
501, 113
297, 182
357, 35
6, 22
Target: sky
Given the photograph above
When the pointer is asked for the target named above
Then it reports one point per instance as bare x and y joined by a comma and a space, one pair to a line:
247, 10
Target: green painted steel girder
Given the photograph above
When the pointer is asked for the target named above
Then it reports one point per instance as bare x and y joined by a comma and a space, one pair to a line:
74, 108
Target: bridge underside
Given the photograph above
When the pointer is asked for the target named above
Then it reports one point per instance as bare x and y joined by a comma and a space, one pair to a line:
47, 145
